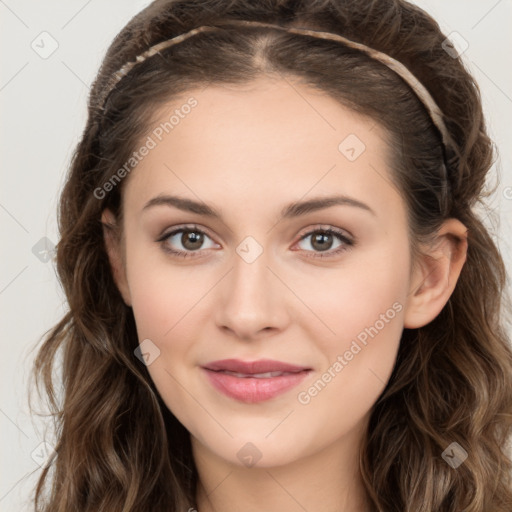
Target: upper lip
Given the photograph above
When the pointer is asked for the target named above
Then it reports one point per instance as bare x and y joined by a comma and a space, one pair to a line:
252, 367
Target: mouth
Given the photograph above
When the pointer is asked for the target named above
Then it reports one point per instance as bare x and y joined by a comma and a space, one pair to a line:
256, 381
265, 375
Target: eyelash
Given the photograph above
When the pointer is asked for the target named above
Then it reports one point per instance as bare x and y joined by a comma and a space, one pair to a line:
348, 243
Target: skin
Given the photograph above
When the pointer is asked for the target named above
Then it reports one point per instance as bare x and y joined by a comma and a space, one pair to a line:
249, 151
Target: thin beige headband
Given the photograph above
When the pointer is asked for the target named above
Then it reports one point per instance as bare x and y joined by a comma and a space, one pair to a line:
422, 93
396, 66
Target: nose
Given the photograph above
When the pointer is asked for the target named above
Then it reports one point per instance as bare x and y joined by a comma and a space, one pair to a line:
251, 300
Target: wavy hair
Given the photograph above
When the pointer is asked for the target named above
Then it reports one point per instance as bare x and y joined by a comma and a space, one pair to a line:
119, 449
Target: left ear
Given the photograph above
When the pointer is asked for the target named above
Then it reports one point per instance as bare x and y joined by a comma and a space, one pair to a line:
436, 275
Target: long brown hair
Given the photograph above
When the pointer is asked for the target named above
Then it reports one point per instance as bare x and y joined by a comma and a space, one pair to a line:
119, 448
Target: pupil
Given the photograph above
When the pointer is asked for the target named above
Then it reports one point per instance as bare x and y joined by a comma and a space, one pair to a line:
322, 238
192, 240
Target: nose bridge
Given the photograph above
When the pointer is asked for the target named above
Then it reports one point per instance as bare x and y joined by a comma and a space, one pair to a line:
250, 300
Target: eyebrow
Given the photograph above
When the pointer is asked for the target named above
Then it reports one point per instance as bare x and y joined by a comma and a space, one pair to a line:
292, 210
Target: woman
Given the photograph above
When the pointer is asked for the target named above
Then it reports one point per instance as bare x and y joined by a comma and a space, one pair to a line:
280, 295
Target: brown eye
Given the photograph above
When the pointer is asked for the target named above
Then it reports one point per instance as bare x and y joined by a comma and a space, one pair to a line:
322, 241
185, 241
192, 240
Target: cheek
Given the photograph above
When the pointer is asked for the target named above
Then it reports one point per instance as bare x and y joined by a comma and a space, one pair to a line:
362, 300
361, 312
162, 294
166, 302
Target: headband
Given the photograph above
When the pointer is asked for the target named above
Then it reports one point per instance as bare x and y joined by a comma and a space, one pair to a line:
418, 88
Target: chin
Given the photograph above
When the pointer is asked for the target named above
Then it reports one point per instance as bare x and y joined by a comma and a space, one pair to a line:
249, 448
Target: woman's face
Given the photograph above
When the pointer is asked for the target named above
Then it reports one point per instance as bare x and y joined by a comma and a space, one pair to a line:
258, 175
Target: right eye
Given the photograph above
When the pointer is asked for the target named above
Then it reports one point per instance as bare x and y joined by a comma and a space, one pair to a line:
191, 238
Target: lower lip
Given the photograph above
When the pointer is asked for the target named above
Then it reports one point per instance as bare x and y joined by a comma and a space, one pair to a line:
251, 389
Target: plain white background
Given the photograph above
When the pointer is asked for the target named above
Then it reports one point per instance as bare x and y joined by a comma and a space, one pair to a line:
43, 112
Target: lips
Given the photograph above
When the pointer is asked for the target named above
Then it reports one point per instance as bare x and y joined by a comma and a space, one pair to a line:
265, 375
254, 367
253, 381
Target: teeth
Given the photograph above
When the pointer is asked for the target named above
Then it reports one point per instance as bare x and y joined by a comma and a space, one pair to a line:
266, 375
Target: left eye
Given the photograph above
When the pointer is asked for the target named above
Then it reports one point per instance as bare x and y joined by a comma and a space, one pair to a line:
322, 241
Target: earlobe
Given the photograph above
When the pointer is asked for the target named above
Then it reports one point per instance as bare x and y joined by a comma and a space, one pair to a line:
436, 276
114, 252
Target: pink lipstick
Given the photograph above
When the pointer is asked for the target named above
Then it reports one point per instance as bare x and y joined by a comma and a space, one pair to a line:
254, 381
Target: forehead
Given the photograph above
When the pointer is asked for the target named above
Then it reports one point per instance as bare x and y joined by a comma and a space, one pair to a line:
269, 116
258, 139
